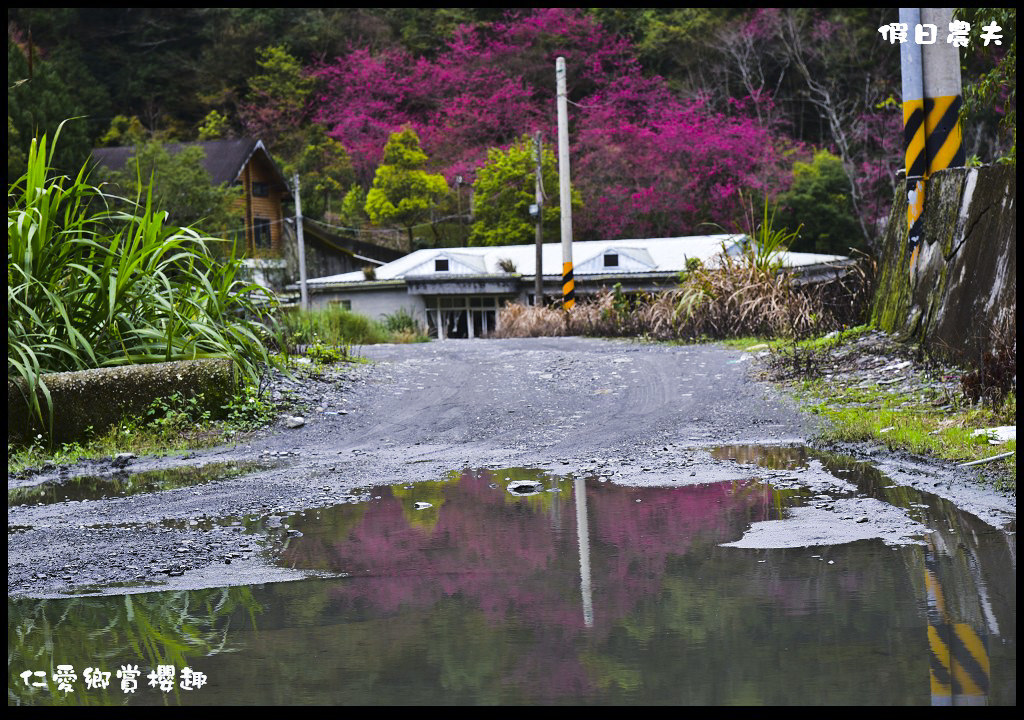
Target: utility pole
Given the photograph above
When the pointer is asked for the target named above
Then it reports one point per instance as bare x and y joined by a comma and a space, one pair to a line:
303, 292
916, 158
538, 281
940, 63
932, 98
564, 186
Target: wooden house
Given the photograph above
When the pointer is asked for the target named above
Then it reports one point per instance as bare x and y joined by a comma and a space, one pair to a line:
241, 161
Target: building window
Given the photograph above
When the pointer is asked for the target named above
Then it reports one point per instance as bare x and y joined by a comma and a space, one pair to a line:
261, 232
611, 260
260, 189
441, 265
343, 304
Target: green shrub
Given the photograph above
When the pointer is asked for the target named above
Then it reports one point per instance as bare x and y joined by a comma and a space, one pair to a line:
338, 327
322, 354
401, 321
333, 325
819, 201
90, 287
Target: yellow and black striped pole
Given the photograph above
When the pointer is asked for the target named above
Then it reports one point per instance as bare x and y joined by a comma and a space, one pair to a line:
568, 286
932, 136
942, 95
913, 131
959, 669
564, 186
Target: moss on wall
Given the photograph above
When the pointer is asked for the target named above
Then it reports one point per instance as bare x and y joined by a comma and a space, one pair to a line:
100, 398
964, 281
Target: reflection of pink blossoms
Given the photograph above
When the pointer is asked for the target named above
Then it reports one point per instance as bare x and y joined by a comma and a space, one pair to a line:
518, 563
508, 558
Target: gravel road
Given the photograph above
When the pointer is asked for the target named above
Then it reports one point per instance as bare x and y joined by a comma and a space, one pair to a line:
633, 412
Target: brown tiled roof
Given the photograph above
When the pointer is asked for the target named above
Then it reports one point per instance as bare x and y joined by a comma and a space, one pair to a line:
225, 159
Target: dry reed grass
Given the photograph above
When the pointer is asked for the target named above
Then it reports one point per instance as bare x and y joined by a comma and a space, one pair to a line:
741, 297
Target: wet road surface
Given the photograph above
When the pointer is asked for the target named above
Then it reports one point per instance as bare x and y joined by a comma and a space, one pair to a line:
539, 521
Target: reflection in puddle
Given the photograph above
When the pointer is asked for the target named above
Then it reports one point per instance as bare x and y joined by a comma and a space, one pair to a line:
97, 487
777, 457
463, 592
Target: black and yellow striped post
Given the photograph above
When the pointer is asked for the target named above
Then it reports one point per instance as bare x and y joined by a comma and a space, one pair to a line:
913, 131
942, 95
932, 136
568, 286
959, 669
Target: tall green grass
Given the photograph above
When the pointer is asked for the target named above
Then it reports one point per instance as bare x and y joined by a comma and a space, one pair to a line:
91, 286
334, 325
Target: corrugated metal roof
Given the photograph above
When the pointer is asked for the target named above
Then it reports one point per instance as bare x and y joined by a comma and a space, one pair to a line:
636, 256
651, 255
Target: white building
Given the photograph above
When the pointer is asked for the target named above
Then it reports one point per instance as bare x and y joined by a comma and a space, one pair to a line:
461, 289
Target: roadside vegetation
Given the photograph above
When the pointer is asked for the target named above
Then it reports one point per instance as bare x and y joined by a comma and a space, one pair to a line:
335, 326
748, 294
89, 286
919, 406
169, 425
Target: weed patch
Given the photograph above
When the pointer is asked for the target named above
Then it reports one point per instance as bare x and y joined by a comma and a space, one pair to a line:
743, 296
870, 389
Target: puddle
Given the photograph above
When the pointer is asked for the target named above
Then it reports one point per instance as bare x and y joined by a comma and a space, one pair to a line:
575, 591
123, 483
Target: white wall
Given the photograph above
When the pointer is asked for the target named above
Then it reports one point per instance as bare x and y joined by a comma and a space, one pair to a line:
375, 304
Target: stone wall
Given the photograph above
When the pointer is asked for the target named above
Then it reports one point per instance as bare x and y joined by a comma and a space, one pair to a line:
99, 398
963, 287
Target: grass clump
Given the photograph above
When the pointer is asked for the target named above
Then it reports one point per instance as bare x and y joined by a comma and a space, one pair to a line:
924, 410
90, 286
910, 423
339, 327
173, 424
742, 296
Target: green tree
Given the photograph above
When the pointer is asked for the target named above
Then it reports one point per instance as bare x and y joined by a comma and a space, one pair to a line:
124, 130
353, 206
403, 192
40, 98
992, 98
325, 169
504, 190
215, 126
278, 114
819, 200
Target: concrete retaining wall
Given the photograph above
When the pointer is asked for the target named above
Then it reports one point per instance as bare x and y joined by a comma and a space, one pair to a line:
964, 284
102, 397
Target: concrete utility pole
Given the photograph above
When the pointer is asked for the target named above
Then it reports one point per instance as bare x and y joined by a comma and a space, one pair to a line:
942, 94
568, 285
303, 291
913, 129
538, 281
932, 97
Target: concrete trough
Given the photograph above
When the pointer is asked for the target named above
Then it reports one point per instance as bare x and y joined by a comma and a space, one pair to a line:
100, 398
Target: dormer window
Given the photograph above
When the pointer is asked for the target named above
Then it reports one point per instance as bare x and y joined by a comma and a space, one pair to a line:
611, 260
441, 265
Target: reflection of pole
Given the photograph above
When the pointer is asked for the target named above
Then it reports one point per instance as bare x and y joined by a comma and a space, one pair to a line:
959, 663
564, 185
583, 539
